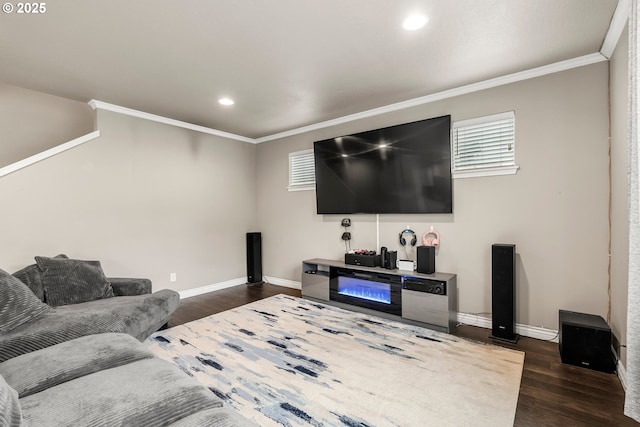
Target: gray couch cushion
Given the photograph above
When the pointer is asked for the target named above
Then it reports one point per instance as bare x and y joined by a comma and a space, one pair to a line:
36, 371
31, 276
218, 417
138, 316
18, 305
72, 281
148, 392
10, 411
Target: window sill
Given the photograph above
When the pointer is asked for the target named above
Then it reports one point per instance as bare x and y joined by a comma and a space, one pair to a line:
302, 188
475, 173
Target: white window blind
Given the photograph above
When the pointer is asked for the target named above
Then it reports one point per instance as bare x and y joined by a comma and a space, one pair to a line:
484, 146
302, 173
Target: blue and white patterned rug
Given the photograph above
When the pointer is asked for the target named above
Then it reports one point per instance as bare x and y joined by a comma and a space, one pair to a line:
289, 361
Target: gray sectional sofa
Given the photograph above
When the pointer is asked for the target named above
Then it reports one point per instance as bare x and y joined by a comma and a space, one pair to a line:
84, 302
70, 353
105, 380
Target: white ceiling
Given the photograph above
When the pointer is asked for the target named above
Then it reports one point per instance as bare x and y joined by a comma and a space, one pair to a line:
286, 63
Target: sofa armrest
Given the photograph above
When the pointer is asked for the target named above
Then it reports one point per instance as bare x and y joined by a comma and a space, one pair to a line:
42, 369
123, 287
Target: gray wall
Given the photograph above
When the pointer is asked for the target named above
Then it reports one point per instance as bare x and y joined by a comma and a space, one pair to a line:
32, 122
144, 198
619, 213
149, 199
554, 209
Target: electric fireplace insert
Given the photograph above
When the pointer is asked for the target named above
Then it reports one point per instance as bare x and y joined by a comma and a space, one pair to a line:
372, 290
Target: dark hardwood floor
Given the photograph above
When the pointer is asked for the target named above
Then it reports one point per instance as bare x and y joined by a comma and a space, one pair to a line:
215, 302
551, 393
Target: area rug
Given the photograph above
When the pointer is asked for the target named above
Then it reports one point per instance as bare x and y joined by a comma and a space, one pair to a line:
290, 361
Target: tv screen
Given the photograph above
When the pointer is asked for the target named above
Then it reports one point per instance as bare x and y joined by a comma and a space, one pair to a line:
398, 169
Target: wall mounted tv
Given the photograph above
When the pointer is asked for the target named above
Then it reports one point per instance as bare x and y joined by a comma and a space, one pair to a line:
403, 169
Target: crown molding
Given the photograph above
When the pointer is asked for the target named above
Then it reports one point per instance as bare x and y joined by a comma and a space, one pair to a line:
48, 153
95, 104
618, 21
462, 90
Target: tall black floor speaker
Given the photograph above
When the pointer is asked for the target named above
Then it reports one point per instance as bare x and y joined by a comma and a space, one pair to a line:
503, 293
254, 257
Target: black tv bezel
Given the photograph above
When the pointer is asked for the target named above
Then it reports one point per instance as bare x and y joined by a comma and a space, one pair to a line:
392, 211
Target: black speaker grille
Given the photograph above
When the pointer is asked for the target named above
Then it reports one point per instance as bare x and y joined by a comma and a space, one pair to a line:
503, 278
254, 257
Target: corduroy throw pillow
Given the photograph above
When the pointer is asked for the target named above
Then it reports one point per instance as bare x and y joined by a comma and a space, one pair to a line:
72, 281
18, 304
30, 276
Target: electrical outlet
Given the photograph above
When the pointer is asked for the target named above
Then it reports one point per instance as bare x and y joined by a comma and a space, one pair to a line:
172, 277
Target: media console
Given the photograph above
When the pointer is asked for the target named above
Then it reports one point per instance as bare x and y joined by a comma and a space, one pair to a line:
428, 300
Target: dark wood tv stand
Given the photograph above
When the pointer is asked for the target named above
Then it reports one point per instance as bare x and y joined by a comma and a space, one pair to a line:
420, 305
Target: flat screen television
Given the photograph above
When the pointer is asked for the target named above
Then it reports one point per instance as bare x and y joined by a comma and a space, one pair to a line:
403, 169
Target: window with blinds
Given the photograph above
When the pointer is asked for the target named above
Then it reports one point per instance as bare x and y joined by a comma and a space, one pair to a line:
484, 146
302, 173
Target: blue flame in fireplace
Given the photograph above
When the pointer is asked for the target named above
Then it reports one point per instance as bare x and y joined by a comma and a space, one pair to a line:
364, 289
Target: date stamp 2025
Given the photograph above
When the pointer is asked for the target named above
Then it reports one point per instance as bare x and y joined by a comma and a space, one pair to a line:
25, 8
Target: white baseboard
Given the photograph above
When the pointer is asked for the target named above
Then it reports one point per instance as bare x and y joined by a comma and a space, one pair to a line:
283, 282
211, 288
235, 282
622, 375
524, 330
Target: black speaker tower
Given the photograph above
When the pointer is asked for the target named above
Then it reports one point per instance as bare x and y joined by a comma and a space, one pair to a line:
254, 257
503, 293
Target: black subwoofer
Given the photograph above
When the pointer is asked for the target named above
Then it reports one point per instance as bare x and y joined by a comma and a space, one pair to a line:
254, 257
585, 340
503, 293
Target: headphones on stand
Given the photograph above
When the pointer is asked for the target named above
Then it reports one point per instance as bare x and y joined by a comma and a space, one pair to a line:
434, 241
414, 238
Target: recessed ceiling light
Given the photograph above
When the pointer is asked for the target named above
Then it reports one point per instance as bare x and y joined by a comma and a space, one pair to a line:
225, 101
415, 22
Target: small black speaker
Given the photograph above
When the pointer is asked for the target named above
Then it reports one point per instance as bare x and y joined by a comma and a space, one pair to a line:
390, 260
254, 257
503, 293
426, 259
585, 340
